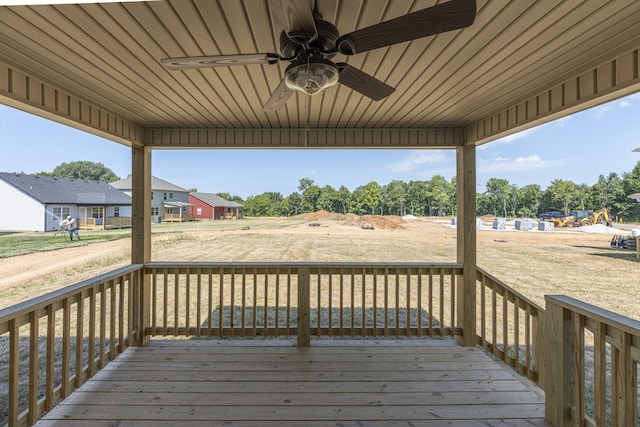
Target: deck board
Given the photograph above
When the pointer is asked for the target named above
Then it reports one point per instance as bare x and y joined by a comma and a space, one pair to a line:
335, 382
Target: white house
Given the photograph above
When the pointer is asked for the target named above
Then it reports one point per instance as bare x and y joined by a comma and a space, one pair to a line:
39, 203
169, 202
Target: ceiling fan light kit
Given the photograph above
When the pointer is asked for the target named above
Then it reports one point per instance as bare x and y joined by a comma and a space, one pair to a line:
311, 76
309, 43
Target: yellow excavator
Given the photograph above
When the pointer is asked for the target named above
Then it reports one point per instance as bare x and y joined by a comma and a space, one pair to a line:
583, 218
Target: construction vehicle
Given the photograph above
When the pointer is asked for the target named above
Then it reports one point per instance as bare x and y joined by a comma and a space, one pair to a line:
583, 218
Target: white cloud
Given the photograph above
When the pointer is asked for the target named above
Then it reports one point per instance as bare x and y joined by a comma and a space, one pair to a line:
509, 138
601, 111
519, 164
625, 104
417, 159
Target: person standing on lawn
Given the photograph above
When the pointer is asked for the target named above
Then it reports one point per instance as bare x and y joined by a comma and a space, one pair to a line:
69, 224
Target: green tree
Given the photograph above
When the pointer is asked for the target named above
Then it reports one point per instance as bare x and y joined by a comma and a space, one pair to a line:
530, 197
230, 197
631, 185
309, 193
394, 196
417, 197
259, 205
344, 197
372, 197
563, 192
438, 196
290, 206
83, 169
328, 199
498, 191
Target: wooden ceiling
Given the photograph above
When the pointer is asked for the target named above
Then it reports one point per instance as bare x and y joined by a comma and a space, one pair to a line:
522, 62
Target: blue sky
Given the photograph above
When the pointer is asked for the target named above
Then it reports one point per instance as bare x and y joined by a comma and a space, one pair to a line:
578, 148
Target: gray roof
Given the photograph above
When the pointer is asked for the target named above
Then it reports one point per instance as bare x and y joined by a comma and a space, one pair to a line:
215, 200
157, 184
47, 189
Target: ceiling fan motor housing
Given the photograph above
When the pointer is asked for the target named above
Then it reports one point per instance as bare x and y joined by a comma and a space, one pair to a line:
292, 45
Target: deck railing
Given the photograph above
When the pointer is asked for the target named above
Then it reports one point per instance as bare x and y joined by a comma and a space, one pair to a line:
592, 365
301, 299
52, 344
508, 325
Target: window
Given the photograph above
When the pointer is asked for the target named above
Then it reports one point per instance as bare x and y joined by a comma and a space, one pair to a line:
165, 196
60, 212
199, 211
116, 211
171, 195
96, 212
154, 211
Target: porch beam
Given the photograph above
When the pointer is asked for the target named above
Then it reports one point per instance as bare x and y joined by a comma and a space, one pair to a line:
602, 82
26, 92
141, 236
466, 241
299, 138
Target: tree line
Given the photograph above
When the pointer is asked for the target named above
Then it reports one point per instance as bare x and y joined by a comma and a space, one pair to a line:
437, 197
433, 197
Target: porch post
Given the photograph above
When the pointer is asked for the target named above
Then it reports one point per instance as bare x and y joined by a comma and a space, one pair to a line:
141, 237
466, 241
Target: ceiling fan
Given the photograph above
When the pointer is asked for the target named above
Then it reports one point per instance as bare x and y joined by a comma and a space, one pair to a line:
309, 43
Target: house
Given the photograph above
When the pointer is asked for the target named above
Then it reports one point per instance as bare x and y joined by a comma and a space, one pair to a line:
40, 203
212, 206
169, 202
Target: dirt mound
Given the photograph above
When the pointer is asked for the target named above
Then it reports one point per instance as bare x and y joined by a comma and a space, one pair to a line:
377, 221
390, 222
314, 216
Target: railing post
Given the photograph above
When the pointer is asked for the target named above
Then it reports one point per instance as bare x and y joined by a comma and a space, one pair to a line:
141, 237
559, 378
304, 307
466, 243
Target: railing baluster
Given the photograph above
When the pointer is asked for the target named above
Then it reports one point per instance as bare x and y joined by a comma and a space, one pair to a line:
66, 347
244, 301
112, 320
277, 303
419, 303
176, 301
232, 304
80, 339
187, 298
199, 302
442, 318
103, 324
91, 370
516, 332
14, 371
221, 303
34, 353
210, 304
430, 302
50, 362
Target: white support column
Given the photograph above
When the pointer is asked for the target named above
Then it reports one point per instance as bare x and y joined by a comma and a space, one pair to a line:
466, 241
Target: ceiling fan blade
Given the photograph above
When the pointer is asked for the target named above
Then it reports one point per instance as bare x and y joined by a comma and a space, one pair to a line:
278, 98
296, 17
219, 60
452, 15
362, 82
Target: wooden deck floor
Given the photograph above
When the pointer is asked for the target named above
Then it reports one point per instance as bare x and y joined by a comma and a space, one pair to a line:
269, 383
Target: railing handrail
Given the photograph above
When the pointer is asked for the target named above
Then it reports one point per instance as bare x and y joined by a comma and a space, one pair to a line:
250, 264
42, 301
601, 315
481, 272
